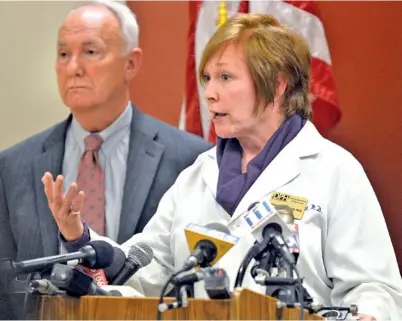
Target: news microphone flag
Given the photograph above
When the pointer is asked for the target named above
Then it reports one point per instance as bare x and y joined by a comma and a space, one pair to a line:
223, 241
260, 216
97, 275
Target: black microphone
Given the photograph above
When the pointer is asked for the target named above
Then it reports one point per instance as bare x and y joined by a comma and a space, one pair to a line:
267, 223
189, 279
286, 214
268, 227
74, 281
118, 263
139, 255
95, 255
210, 243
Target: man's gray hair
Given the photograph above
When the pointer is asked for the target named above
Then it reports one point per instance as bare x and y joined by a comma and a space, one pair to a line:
127, 20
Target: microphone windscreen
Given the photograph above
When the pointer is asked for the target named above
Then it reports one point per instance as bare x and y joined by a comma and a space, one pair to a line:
118, 263
140, 254
104, 254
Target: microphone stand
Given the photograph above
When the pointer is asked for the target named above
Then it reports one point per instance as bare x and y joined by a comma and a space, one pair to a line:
181, 299
16, 301
286, 289
281, 288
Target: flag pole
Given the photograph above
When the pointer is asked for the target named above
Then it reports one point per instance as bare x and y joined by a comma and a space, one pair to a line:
222, 14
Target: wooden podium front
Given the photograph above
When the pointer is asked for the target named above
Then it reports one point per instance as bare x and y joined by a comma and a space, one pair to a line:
244, 305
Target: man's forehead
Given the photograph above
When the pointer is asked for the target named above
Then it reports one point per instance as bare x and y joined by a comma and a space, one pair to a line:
86, 30
85, 42
86, 35
91, 18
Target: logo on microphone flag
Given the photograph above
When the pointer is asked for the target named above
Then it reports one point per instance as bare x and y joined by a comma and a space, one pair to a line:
265, 211
97, 275
258, 213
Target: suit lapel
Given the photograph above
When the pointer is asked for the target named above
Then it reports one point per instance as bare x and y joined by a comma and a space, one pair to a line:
50, 160
142, 164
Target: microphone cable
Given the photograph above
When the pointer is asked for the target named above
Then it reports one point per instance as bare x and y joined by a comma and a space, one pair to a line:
162, 295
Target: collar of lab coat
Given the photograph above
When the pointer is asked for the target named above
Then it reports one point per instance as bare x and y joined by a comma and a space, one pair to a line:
285, 167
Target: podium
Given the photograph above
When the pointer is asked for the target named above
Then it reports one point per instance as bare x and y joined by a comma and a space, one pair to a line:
244, 305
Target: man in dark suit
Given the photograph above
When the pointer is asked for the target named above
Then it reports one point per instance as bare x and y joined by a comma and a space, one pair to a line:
138, 157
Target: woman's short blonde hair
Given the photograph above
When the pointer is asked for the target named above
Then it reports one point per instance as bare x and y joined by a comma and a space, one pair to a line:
272, 50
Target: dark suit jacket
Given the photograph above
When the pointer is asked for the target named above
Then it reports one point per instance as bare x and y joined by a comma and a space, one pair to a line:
158, 153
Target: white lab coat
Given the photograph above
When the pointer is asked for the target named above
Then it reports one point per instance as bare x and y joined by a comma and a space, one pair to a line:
346, 255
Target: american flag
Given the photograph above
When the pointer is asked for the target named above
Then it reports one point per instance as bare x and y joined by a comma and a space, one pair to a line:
302, 16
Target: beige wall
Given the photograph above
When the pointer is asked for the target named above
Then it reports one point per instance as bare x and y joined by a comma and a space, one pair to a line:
29, 101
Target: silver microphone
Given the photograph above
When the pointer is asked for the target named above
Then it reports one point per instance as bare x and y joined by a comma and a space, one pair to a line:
139, 255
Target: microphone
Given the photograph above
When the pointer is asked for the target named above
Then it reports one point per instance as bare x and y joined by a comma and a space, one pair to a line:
139, 255
99, 275
207, 244
189, 279
96, 255
287, 215
216, 282
117, 265
74, 281
268, 227
46, 287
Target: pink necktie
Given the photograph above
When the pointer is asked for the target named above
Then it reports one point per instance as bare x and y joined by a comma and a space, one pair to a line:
91, 180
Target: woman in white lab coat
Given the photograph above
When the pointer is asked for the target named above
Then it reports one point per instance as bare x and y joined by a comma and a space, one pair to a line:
255, 74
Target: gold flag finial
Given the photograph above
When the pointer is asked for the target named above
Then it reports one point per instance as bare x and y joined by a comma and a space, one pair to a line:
222, 14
